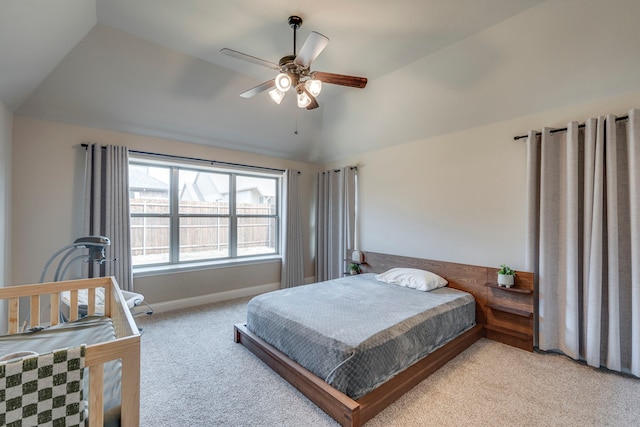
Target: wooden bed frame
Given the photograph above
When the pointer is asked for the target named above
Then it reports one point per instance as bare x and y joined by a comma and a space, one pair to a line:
125, 347
354, 413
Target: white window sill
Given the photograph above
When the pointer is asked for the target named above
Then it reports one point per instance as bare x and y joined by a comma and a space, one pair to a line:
157, 270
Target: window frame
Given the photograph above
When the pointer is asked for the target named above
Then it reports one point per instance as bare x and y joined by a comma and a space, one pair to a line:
174, 263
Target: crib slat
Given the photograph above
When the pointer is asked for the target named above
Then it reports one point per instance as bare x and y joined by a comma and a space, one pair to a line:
91, 301
55, 308
108, 301
34, 314
96, 390
73, 307
14, 314
130, 397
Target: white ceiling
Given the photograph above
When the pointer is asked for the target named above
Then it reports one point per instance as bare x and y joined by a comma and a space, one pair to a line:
434, 66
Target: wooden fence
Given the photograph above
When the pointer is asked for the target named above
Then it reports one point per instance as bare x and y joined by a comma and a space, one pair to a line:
201, 237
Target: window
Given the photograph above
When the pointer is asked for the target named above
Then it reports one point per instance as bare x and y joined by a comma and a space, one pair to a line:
181, 214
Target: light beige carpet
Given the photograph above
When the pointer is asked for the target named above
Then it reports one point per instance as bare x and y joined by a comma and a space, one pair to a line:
193, 374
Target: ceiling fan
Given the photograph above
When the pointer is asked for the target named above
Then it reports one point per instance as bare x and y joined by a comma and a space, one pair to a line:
294, 71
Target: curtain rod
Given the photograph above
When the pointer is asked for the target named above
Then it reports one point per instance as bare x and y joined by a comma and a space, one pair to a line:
580, 126
340, 170
212, 162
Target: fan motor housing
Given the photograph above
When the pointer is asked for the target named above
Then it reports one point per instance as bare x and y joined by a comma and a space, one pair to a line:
295, 72
286, 62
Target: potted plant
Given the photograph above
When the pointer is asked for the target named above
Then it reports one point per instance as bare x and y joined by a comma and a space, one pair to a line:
354, 268
506, 276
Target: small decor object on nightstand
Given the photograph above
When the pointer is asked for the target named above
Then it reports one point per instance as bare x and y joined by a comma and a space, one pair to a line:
354, 268
505, 276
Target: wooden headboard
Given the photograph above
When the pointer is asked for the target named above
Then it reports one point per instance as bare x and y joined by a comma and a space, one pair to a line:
507, 314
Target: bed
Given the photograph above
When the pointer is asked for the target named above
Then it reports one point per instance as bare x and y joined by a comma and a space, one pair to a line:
390, 327
321, 379
112, 353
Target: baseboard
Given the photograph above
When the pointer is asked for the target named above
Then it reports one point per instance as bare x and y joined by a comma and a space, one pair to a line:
162, 307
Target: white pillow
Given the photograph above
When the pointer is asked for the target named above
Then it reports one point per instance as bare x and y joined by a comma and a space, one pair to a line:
421, 280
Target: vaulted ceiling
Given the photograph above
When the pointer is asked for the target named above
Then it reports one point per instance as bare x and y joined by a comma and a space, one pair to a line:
153, 67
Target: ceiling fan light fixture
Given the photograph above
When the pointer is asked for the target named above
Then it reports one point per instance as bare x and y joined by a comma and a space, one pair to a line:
283, 82
313, 86
294, 71
303, 100
277, 95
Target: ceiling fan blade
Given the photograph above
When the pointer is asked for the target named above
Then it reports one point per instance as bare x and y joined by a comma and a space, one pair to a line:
314, 103
259, 89
244, 57
311, 48
340, 79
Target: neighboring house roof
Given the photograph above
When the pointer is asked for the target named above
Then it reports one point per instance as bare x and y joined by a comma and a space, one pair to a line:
207, 186
139, 179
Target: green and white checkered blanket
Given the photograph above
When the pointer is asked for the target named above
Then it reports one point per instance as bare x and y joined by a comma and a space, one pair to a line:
43, 390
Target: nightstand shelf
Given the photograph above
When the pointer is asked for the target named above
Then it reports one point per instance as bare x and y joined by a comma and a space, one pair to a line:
511, 310
512, 289
505, 331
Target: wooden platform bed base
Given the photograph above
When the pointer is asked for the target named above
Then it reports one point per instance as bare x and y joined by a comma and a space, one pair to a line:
339, 406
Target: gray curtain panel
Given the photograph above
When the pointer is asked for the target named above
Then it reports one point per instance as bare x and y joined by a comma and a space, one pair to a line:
107, 209
335, 220
583, 240
292, 273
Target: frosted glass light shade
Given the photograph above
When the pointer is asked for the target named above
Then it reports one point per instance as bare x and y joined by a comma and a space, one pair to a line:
283, 82
313, 86
277, 95
303, 100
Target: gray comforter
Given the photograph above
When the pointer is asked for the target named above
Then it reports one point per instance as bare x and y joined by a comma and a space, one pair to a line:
356, 332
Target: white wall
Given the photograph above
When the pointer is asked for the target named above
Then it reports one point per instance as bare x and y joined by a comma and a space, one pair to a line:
459, 197
553, 55
6, 122
48, 170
